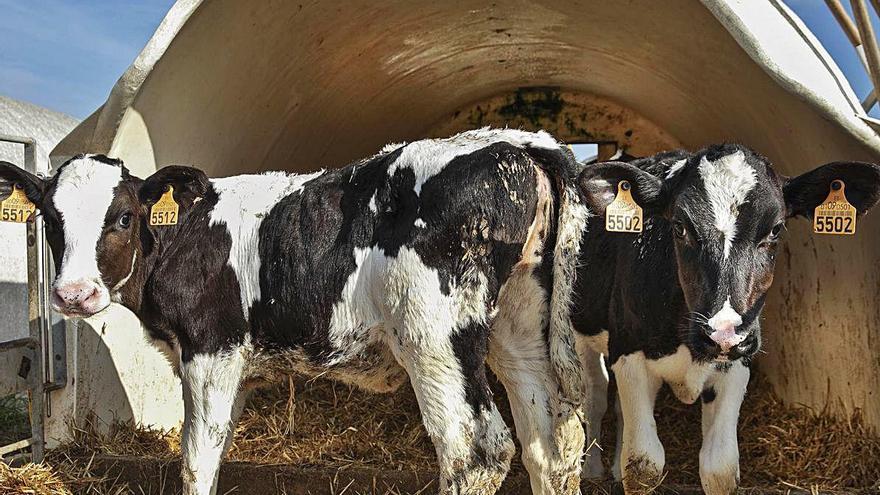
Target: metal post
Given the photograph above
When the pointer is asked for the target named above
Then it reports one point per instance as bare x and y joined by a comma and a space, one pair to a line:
852, 32
869, 41
849, 28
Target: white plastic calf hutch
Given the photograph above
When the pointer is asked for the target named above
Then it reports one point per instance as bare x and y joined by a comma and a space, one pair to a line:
235, 87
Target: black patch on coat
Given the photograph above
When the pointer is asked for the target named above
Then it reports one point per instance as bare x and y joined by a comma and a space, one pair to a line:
472, 361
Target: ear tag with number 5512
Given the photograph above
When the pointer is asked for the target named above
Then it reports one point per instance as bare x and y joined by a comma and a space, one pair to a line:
835, 215
623, 214
164, 212
17, 208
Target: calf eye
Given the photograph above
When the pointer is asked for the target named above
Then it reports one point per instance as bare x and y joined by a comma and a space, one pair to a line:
124, 221
774, 233
679, 229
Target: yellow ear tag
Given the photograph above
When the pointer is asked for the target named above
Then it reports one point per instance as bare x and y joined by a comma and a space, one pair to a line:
623, 214
164, 212
835, 215
17, 208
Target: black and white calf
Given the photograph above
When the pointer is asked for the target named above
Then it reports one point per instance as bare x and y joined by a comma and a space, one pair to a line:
423, 261
680, 302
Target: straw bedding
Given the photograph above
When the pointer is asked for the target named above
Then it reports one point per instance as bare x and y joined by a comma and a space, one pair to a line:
337, 426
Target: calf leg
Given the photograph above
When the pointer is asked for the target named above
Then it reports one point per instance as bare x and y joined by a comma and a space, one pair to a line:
641, 454
719, 455
548, 429
595, 405
448, 376
212, 402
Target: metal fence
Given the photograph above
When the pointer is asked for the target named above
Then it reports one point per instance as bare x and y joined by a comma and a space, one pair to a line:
41, 356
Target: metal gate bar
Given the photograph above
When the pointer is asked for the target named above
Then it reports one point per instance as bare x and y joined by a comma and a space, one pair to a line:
862, 37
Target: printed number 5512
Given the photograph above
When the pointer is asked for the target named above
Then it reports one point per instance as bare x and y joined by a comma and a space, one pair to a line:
160, 217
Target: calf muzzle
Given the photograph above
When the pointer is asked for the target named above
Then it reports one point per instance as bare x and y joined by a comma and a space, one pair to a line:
80, 298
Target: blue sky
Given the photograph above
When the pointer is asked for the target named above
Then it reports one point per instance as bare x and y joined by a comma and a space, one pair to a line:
67, 54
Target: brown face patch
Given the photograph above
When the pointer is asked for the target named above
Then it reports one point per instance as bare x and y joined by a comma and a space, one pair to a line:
119, 248
689, 279
761, 278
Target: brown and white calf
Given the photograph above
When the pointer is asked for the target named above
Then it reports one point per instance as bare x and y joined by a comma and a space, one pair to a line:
421, 262
680, 302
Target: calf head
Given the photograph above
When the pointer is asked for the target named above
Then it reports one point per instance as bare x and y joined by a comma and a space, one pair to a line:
95, 214
725, 209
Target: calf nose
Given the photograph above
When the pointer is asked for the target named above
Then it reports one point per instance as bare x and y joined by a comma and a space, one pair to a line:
724, 334
75, 295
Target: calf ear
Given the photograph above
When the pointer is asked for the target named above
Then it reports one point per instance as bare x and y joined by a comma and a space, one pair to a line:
599, 184
189, 184
807, 191
33, 186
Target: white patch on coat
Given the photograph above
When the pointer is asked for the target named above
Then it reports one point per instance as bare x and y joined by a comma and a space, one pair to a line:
420, 223
429, 157
719, 454
641, 452
211, 390
82, 197
727, 180
244, 201
357, 310
388, 148
675, 168
726, 313
686, 377
372, 204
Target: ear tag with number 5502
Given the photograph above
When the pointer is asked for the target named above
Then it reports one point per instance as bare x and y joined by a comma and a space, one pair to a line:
164, 212
623, 214
17, 208
835, 215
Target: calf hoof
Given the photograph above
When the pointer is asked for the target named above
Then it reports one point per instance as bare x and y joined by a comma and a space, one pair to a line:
641, 477
480, 481
566, 483
719, 470
720, 482
483, 474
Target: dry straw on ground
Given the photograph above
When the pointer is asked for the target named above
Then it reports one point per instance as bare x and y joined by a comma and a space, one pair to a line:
36, 479
336, 426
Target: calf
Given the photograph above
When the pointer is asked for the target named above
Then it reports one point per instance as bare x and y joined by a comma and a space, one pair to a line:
420, 262
679, 303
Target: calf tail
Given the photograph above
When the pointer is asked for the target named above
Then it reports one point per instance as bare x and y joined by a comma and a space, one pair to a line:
571, 224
